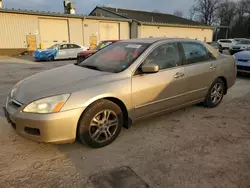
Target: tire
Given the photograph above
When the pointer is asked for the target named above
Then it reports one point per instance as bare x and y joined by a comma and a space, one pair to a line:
94, 129
210, 101
51, 58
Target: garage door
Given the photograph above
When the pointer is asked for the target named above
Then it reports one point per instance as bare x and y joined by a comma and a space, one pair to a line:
53, 31
109, 31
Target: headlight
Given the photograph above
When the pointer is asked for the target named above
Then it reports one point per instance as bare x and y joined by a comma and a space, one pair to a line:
47, 105
243, 47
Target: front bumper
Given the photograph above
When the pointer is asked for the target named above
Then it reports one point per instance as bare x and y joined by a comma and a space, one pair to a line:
243, 67
234, 51
40, 58
59, 127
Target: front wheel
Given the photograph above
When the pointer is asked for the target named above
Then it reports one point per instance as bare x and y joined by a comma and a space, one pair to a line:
100, 124
215, 94
51, 58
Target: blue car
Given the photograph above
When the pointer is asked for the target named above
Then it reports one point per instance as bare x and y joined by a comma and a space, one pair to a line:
243, 62
59, 51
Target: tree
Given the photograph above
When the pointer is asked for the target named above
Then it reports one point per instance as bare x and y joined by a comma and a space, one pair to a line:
178, 13
206, 10
226, 13
191, 13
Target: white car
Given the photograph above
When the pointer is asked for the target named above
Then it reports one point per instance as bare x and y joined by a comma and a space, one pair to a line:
226, 43
242, 45
59, 51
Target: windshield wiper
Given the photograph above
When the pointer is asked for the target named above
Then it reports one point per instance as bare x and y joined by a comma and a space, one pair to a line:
91, 67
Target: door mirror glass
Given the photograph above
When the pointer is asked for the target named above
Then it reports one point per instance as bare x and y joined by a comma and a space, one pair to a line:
150, 68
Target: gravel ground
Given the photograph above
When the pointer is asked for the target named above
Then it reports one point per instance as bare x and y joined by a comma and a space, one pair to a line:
192, 147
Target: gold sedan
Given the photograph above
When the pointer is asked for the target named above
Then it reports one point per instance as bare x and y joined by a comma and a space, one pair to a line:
125, 81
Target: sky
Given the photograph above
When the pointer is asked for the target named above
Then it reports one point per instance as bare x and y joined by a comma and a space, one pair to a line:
85, 6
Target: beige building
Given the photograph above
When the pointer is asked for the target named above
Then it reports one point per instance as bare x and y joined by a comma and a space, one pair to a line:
150, 24
22, 30
27, 30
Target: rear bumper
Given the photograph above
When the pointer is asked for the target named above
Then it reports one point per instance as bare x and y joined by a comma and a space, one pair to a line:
48, 128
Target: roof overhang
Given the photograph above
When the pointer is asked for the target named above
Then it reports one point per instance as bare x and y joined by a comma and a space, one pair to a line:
54, 14
176, 25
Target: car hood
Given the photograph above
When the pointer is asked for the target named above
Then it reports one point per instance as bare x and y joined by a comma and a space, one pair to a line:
45, 50
243, 55
66, 79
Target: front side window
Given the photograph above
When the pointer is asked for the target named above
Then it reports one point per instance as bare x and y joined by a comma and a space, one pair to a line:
165, 56
116, 57
195, 52
54, 46
64, 47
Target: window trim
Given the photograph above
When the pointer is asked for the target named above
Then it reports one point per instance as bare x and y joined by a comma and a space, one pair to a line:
201, 62
161, 70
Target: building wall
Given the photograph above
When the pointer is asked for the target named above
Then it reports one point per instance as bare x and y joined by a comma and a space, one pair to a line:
177, 32
76, 31
53, 31
91, 28
124, 30
15, 27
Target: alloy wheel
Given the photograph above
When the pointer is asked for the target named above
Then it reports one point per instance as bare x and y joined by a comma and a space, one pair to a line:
103, 126
217, 93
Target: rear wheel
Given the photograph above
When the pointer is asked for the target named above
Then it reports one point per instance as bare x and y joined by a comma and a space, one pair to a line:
100, 124
215, 94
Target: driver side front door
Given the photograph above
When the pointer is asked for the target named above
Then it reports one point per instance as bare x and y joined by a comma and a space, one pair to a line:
63, 52
153, 93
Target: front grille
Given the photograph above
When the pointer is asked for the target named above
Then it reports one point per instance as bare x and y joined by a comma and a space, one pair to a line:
15, 104
32, 131
236, 48
239, 67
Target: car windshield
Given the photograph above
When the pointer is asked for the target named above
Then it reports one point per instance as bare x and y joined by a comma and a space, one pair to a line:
214, 44
116, 57
54, 46
102, 45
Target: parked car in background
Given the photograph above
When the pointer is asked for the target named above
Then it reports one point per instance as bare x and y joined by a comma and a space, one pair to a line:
226, 43
239, 39
59, 51
240, 46
83, 55
243, 62
117, 85
216, 45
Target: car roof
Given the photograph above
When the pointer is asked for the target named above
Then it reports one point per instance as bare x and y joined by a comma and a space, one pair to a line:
153, 40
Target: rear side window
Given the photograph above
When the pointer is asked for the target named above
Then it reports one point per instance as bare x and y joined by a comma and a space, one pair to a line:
74, 46
195, 52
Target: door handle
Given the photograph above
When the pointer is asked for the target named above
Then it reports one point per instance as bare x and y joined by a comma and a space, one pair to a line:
179, 74
212, 67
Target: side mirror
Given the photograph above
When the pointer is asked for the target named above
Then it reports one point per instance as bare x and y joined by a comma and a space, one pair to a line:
150, 68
